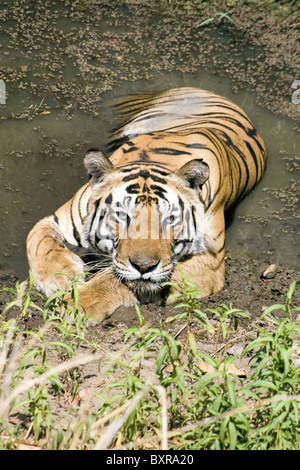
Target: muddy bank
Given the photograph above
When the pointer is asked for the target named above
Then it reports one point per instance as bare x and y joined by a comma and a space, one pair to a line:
249, 286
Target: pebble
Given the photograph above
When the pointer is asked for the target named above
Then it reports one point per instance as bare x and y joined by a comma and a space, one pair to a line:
270, 272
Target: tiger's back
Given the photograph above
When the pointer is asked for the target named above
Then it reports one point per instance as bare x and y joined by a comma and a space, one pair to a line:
205, 125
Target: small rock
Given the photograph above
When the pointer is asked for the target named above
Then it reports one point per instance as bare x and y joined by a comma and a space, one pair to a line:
236, 349
270, 272
91, 323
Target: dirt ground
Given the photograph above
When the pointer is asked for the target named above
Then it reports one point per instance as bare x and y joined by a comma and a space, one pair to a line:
246, 288
271, 31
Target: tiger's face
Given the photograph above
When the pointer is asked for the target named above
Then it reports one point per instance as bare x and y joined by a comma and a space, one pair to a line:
143, 218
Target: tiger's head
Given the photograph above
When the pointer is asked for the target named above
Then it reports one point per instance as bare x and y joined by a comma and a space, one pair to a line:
145, 218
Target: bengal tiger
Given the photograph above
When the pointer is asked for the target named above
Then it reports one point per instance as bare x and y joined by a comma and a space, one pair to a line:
179, 161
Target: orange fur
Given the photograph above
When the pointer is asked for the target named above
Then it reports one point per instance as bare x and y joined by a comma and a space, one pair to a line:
179, 161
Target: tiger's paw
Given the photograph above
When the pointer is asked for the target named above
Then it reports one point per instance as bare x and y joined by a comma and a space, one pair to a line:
100, 301
57, 274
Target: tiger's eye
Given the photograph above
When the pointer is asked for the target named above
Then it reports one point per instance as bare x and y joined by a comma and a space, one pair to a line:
123, 217
170, 219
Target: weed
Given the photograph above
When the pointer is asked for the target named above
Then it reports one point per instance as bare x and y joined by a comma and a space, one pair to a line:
157, 394
217, 17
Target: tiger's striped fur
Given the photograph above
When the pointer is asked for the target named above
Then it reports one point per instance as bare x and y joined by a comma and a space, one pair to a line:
182, 158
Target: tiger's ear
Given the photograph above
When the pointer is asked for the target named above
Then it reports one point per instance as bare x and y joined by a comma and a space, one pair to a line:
97, 165
195, 172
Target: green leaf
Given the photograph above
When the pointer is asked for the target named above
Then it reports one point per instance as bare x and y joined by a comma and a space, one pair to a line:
58, 294
59, 437
231, 392
172, 342
290, 293
26, 304
180, 378
37, 425
75, 297
263, 384
258, 342
193, 344
207, 379
60, 344
160, 359
223, 428
209, 359
284, 354
232, 435
271, 309
140, 316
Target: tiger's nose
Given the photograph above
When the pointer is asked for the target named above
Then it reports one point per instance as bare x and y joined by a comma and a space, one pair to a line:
144, 266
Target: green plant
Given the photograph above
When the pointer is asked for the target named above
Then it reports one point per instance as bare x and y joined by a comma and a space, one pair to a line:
228, 320
186, 298
276, 375
22, 296
286, 308
29, 359
158, 394
216, 410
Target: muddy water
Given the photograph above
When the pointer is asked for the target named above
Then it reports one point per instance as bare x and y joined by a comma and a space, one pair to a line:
41, 167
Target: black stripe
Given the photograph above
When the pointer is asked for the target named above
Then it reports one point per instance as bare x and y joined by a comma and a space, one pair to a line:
160, 172
131, 149
232, 109
96, 206
53, 249
242, 161
253, 156
41, 241
159, 191
143, 155
157, 179
181, 203
195, 146
75, 231
135, 164
108, 200
133, 189
222, 248
79, 204
128, 170
154, 187
137, 167
168, 151
194, 218
215, 268
130, 177
144, 174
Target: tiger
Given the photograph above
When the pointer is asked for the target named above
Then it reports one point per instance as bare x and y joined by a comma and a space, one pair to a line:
152, 211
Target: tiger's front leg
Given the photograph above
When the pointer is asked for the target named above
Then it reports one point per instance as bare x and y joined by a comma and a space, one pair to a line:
103, 294
48, 255
207, 271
